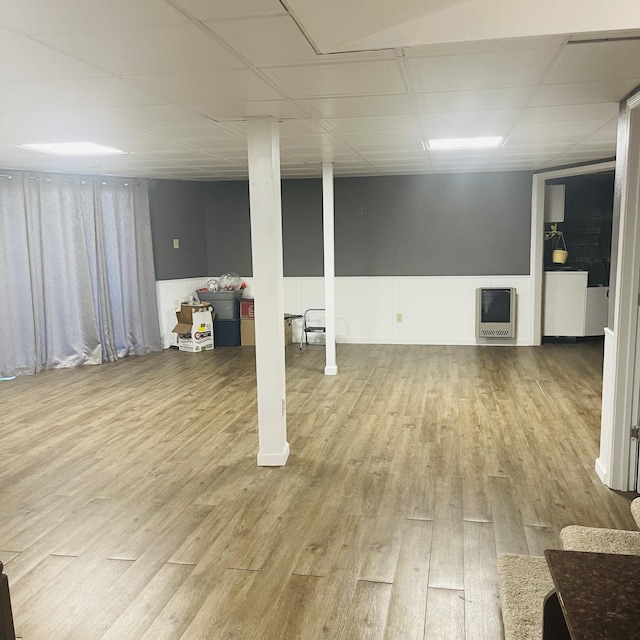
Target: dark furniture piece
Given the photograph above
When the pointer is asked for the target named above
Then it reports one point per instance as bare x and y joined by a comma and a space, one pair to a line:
7, 630
596, 596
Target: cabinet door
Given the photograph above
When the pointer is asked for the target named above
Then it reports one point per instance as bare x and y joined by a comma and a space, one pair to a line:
564, 303
597, 311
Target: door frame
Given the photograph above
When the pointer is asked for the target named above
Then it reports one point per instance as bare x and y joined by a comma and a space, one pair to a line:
537, 236
616, 465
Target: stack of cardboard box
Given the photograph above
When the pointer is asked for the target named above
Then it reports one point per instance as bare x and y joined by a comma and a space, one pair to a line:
195, 327
248, 324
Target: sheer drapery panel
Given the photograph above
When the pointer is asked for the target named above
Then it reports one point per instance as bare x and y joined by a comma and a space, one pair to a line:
78, 283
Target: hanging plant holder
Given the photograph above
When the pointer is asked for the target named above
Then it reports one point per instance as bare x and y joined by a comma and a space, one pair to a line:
560, 254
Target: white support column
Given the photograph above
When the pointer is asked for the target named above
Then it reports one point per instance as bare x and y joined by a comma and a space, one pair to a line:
266, 251
331, 368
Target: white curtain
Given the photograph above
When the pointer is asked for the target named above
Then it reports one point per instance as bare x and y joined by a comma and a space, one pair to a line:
77, 284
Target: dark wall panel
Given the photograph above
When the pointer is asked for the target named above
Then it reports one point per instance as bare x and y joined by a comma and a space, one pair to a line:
434, 225
228, 228
302, 243
177, 211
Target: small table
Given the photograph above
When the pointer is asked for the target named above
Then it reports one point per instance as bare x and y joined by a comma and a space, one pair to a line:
596, 597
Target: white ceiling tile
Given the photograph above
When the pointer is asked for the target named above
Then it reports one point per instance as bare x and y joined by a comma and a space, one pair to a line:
483, 46
208, 88
218, 9
550, 131
89, 92
132, 140
316, 141
140, 116
358, 106
182, 131
266, 41
281, 109
288, 128
582, 92
38, 17
469, 123
351, 78
606, 133
381, 123
157, 49
14, 126
184, 154
597, 61
398, 156
333, 152
479, 71
476, 100
223, 146
14, 97
28, 60
160, 80
580, 155
384, 140
601, 111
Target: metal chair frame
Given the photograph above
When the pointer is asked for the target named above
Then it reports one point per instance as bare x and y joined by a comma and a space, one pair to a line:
310, 328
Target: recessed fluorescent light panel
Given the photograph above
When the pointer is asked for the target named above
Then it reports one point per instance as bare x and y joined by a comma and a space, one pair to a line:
73, 148
487, 142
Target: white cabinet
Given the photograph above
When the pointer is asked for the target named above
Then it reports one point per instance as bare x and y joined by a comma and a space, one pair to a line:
570, 307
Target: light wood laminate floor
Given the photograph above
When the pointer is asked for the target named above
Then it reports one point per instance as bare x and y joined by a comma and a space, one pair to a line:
131, 505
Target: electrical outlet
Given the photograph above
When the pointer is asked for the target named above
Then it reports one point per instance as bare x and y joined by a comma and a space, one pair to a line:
176, 243
398, 317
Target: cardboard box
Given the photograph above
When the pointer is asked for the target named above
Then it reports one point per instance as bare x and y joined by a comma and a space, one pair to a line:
248, 331
246, 309
196, 334
187, 310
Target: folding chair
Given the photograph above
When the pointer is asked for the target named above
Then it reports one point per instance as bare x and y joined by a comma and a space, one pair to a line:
313, 321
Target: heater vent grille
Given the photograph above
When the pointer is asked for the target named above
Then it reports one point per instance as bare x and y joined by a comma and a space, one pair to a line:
495, 313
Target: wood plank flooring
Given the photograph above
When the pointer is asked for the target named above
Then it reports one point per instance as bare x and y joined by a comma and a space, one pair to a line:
131, 506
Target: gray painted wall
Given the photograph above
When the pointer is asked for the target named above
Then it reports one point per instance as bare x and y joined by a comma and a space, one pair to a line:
177, 211
228, 228
451, 224
434, 225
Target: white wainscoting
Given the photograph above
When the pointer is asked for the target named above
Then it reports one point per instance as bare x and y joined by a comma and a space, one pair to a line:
435, 310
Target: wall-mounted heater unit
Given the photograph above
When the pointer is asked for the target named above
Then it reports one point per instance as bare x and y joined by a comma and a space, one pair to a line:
495, 313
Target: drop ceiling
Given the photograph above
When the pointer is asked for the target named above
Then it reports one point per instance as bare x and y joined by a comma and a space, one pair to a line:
362, 83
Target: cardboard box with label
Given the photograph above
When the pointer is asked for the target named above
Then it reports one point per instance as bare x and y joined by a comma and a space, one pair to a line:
195, 328
248, 330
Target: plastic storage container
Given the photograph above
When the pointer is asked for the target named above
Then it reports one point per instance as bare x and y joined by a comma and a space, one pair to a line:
226, 333
226, 304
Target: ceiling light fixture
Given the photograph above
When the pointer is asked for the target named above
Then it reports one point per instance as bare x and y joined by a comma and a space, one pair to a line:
73, 148
486, 142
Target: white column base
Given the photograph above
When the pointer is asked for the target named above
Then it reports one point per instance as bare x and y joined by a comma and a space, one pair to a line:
331, 370
602, 472
274, 459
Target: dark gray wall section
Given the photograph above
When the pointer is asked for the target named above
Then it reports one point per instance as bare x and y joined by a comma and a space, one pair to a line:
427, 225
433, 225
177, 211
302, 242
228, 228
